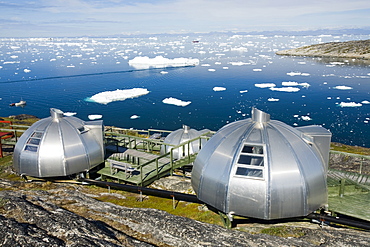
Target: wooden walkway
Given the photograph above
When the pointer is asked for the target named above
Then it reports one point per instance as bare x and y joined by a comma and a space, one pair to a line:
147, 167
349, 194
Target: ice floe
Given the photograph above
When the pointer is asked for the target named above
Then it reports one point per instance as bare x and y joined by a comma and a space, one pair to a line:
273, 99
68, 114
95, 116
365, 102
118, 95
26, 70
292, 73
257, 70
174, 101
211, 70
294, 83
161, 62
265, 85
219, 89
243, 91
349, 104
306, 118
285, 89
343, 87
134, 117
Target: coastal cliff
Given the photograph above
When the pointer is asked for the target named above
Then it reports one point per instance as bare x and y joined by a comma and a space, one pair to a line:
351, 49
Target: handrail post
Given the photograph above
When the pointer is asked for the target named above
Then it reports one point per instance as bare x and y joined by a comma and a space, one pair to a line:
156, 166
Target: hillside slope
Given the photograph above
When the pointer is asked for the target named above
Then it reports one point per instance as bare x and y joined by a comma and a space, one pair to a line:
350, 49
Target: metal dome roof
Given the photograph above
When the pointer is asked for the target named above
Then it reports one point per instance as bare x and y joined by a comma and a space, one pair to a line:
263, 168
180, 136
59, 146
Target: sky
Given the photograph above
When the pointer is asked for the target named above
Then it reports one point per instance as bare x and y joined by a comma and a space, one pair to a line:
75, 18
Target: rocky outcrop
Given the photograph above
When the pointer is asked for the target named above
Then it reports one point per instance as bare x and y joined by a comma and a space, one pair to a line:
67, 216
350, 49
349, 163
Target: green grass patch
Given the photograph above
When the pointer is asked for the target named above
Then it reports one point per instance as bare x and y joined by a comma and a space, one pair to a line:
349, 149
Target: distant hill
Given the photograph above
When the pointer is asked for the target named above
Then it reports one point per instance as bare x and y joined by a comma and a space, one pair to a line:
350, 49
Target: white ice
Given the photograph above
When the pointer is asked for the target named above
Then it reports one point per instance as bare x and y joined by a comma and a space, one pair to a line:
294, 83
68, 114
343, 87
117, 95
285, 89
94, 116
349, 104
306, 118
265, 85
243, 91
273, 99
365, 102
26, 70
219, 89
161, 62
134, 117
256, 70
174, 101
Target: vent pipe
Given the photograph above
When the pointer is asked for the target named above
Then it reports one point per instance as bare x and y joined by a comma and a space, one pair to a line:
56, 113
260, 116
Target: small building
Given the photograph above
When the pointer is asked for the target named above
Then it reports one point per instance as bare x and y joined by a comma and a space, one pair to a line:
59, 146
183, 135
262, 168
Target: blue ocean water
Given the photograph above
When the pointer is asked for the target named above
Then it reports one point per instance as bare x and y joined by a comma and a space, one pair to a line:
63, 72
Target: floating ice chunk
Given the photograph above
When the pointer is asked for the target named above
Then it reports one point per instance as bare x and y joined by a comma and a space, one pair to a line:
53, 59
205, 65
26, 70
211, 70
243, 91
301, 62
161, 62
304, 84
328, 97
14, 56
343, 87
349, 104
306, 118
296, 116
365, 102
265, 85
225, 67
70, 66
257, 69
285, 89
219, 89
164, 72
289, 83
305, 74
272, 99
134, 117
174, 101
293, 73
68, 114
117, 95
238, 63
94, 116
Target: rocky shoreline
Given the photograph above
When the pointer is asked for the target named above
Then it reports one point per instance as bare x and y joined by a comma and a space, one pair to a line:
359, 49
50, 218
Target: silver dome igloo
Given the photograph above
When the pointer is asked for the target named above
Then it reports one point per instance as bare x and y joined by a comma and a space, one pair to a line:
59, 146
180, 136
264, 169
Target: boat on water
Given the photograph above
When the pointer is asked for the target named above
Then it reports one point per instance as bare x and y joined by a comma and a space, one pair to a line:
20, 103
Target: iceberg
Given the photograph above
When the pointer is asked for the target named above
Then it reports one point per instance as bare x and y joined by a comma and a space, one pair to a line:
343, 87
285, 89
219, 89
256, 70
68, 114
243, 91
26, 70
94, 116
161, 62
365, 102
134, 117
306, 118
349, 104
265, 85
118, 95
174, 101
273, 99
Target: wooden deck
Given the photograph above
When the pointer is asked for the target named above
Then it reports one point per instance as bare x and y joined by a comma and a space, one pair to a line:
349, 194
148, 167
